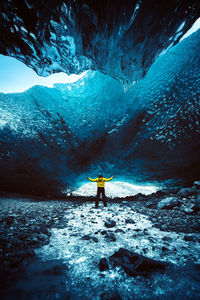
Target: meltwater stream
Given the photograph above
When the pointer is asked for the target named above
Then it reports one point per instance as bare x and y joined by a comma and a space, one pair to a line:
84, 240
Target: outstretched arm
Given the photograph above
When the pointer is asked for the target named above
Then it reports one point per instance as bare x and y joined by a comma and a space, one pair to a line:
92, 179
108, 179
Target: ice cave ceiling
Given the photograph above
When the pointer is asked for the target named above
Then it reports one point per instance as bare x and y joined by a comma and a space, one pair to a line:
119, 38
51, 138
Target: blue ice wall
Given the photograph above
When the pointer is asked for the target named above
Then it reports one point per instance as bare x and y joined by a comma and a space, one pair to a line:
51, 138
161, 138
50, 135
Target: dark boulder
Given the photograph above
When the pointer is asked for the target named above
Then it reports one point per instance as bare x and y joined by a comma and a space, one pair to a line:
189, 238
103, 232
186, 192
188, 210
89, 238
110, 237
43, 237
110, 223
168, 203
149, 204
86, 237
129, 221
196, 206
135, 264
145, 231
103, 264
164, 249
196, 184
95, 239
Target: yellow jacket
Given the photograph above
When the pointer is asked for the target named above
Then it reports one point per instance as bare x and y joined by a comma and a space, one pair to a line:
100, 181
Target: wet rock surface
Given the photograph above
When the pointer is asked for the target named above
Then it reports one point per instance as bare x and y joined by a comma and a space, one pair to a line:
103, 264
168, 203
134, 264
65, 243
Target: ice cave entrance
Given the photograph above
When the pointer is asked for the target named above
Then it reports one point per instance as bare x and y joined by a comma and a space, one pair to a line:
116, 189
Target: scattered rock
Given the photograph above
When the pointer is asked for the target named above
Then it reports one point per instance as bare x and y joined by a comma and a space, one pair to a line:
164, 227
37, 229
164, 249
189, 238
103, 264
118, 230
129, 221
103, 232
110, 223
110, 237
187, 210
167, 238
34, 241
185, 192
196, 206
197, 184
95, 239
168, 203
86, 237
134, 264
43, 237
149, 204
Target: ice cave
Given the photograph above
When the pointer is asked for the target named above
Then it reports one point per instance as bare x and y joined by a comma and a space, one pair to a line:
126, 102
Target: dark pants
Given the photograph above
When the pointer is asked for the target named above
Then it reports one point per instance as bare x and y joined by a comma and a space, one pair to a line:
101, 191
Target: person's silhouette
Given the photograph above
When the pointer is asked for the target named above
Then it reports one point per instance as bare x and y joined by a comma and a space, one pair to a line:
100, 188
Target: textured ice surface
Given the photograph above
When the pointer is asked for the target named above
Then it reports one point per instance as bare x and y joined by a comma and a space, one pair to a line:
82, 255
150, 132
119, 38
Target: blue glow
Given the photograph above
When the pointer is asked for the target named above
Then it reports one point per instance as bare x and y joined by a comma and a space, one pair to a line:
116, 189
16, 77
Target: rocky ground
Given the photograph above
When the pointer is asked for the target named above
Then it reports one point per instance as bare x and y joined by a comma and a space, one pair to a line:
53, 249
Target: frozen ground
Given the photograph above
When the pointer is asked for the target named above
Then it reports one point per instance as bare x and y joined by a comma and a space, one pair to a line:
78, 237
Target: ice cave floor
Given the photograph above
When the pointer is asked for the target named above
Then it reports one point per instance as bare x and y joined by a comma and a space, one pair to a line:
52, 249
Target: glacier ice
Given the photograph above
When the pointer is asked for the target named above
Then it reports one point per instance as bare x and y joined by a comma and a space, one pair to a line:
118, 38
51, 138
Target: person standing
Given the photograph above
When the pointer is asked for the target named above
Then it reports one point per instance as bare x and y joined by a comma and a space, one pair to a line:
100, 188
